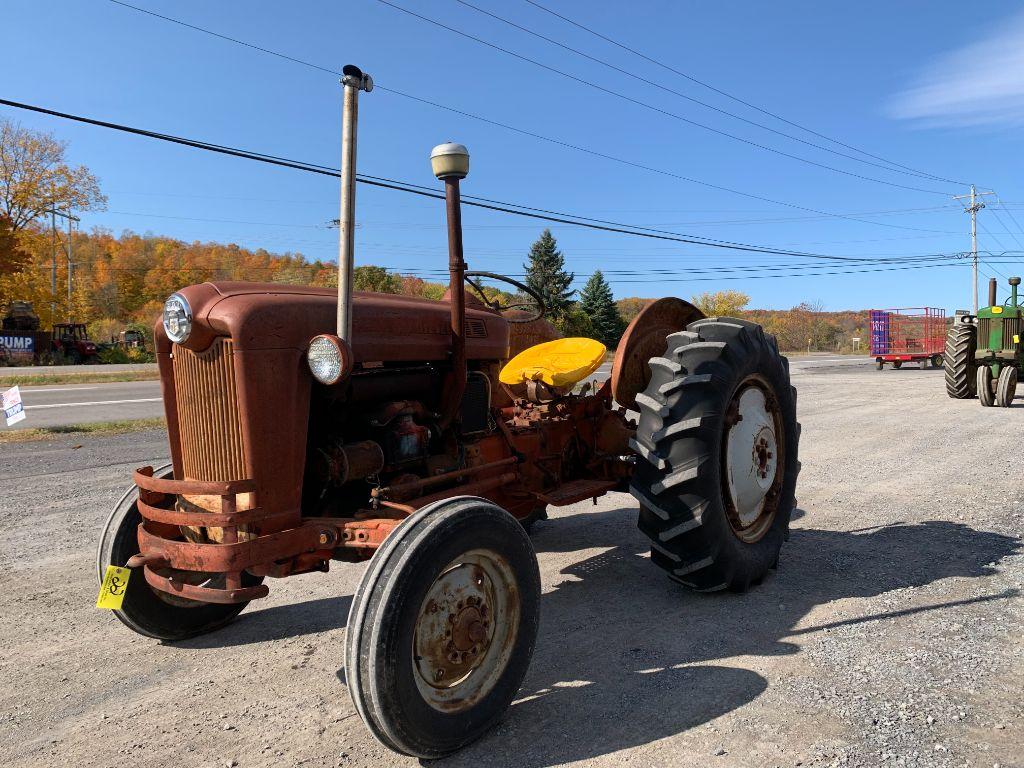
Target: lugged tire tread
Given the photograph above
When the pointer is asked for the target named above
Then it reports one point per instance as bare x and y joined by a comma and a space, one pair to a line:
959, 361
681, 411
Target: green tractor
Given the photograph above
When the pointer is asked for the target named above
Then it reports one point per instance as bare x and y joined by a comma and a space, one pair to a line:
983, 352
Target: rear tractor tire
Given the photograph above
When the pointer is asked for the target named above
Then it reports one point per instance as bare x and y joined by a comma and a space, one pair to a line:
1006, 386
985, 386
959, 362
145, 610
717, 447
442, 627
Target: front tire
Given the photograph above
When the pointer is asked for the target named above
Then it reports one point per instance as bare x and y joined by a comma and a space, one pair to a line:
959, 362
442, 627
717, 447
163, 617
984, 386
1006, 386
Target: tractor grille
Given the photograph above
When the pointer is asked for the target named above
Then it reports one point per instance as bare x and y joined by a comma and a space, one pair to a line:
984, 332
1011, 328
208, 422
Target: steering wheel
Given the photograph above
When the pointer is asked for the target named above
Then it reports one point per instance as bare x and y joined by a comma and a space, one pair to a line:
537, 303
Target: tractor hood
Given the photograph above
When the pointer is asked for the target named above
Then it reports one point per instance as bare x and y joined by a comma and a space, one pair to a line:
385, 327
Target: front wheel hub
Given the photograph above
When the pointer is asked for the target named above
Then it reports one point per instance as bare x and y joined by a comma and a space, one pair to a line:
464, 631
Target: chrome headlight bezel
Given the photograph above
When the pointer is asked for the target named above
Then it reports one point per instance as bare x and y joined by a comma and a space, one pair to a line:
177, 318
329, 359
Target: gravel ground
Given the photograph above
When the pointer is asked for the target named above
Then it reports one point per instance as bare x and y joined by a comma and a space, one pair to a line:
891, 634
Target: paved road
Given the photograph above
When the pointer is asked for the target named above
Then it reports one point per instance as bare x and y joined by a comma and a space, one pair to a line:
64, 404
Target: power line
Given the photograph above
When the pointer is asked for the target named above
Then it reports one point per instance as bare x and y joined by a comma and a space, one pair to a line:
652, 107
687, 97
532, 134
382, 182
738, 100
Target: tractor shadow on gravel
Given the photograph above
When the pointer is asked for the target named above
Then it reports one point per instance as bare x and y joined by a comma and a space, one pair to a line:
625, 656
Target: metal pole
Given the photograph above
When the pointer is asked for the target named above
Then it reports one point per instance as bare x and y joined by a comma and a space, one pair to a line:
353, 81
974, 253
457, 291
71, 265
53, 256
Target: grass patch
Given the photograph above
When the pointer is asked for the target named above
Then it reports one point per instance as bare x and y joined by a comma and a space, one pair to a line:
99, 428
97, 377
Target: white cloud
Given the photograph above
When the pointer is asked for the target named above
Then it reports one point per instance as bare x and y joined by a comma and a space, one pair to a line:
981, 84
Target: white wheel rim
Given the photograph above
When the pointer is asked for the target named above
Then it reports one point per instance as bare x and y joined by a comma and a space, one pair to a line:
752, 456
466, 630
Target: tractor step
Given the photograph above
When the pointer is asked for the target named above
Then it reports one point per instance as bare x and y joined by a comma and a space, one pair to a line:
577, 490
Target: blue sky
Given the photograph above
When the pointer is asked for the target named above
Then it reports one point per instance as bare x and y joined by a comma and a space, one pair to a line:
937, 86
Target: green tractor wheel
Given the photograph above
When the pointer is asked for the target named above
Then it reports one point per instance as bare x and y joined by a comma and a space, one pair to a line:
1006, 386
959, 362
984, 379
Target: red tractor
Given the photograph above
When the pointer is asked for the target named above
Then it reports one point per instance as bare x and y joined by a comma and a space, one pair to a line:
72, 340
308, 426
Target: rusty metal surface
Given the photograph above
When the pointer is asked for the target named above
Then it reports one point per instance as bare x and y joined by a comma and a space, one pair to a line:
178, 588
466, 630
385, 327
644, 339
575, 491
409, 489
144, 479
208, 416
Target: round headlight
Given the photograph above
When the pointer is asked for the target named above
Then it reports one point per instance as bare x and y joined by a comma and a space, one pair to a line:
177, 318
329, 359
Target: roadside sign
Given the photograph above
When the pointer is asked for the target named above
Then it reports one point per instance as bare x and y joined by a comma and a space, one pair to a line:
14, 410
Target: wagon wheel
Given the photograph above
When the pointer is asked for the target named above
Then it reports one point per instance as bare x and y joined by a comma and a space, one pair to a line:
879, 364
936, 361
442, 627
897, 364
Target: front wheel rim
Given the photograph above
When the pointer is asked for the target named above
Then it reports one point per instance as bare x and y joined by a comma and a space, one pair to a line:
753, 459
466, 631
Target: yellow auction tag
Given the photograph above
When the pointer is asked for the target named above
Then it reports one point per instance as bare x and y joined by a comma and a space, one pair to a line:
1016, 339
115, 584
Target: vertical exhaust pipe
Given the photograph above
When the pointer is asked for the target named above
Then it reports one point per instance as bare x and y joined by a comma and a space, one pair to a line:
354, 81
450, 163
992, 295
1014, 282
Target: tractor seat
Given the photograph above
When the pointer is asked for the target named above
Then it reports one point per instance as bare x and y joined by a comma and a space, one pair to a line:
559, 364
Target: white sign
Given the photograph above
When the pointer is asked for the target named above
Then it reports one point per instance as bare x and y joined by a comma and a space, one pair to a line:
14, 411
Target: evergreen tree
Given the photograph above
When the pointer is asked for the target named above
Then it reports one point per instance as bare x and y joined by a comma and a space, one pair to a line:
547, 276
597, 302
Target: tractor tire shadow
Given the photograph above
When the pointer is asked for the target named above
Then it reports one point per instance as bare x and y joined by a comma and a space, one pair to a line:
625, 656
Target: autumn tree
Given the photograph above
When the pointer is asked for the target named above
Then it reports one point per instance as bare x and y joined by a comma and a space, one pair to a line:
546, 275
12, 257
35, 177
631, 307
596, 301
377, 279
721, 303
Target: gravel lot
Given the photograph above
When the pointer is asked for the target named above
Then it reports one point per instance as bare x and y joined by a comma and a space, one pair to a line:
891, 634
